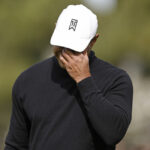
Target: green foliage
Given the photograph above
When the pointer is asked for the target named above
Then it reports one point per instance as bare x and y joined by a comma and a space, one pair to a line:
126, 30
26, 26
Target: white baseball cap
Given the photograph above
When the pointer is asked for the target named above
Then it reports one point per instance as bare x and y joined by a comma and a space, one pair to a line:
75, 28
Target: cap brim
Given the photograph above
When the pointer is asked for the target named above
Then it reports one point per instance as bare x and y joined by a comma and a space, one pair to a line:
69, 41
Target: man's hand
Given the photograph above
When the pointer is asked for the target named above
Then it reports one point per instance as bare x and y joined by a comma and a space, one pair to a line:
77, 65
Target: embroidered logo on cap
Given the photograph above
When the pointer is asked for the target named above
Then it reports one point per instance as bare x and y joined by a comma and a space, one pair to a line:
73, 24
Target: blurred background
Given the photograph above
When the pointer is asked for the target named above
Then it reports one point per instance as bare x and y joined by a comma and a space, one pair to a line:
124, 28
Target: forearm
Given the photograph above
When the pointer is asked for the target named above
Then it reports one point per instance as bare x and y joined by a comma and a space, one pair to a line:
16, 139
109, 120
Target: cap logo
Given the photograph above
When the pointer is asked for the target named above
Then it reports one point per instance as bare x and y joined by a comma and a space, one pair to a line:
73, 24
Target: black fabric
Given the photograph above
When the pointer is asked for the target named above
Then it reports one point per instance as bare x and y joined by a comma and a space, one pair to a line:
50, 111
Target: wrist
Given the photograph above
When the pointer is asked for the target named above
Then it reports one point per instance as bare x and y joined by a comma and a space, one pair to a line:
81, 78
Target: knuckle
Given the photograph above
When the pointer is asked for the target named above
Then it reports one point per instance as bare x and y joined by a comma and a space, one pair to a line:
69, 64
75, 59
80, 59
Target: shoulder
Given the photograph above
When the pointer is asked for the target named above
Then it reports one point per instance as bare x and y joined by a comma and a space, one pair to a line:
109, 68
36, 71
37, 67
113, 73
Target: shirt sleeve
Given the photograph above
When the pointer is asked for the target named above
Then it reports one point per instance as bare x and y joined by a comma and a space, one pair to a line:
110, 115
17, 136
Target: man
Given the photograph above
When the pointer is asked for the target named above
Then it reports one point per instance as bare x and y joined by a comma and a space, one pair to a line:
72, 100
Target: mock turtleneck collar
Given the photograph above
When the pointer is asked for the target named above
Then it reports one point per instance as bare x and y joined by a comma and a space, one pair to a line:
91, 56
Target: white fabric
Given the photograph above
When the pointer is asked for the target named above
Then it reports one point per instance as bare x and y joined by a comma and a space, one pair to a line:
83, 25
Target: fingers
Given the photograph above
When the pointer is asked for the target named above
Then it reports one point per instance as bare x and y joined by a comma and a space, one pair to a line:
68, 57
64, 61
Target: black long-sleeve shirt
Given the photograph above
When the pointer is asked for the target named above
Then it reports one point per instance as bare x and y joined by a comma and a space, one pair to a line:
50, 111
